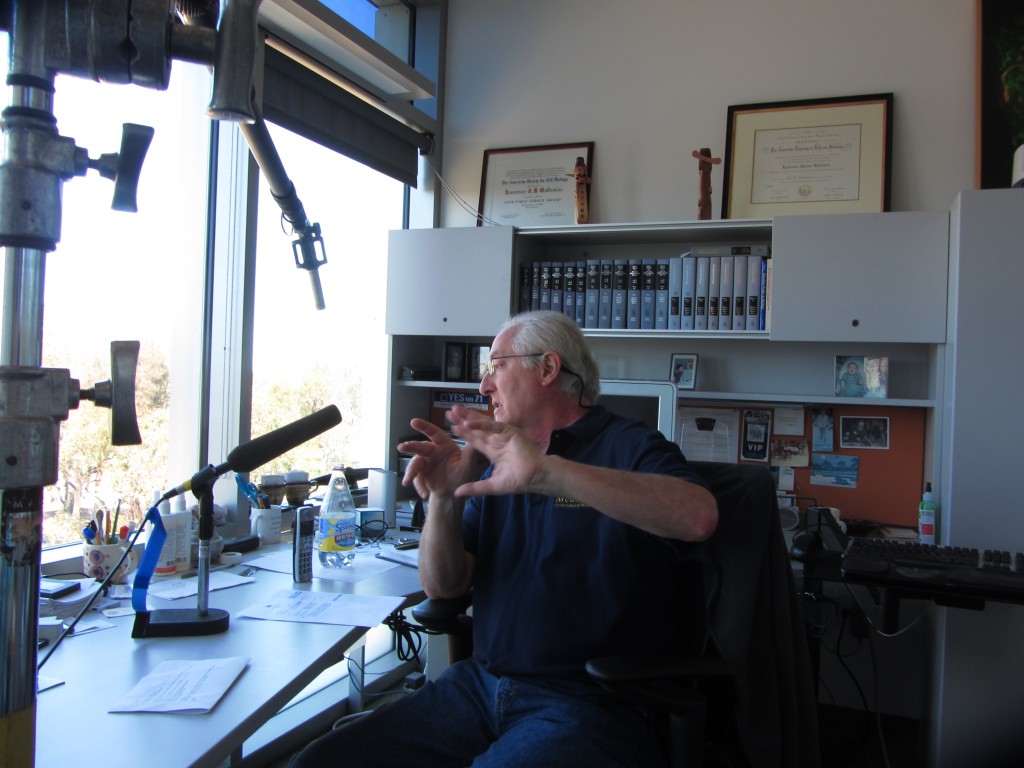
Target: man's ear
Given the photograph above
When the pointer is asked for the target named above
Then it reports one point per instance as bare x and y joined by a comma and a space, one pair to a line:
551, 366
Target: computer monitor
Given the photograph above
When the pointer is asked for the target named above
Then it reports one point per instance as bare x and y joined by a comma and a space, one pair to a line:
653, 402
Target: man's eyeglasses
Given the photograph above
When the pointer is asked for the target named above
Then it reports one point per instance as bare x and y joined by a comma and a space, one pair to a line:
490, 368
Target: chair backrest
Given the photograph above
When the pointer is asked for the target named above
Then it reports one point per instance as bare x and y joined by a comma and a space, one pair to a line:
754, 620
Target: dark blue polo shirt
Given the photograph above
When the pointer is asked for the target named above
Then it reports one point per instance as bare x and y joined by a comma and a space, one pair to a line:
557, 582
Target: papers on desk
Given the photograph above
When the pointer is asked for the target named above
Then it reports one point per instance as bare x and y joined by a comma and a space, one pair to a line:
174, 589
68, 606
409, 557
324, 608
188, 687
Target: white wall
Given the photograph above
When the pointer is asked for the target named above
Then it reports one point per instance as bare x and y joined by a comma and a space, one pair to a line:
649, 81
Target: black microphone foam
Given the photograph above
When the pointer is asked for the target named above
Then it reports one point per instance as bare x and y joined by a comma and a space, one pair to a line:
257, 452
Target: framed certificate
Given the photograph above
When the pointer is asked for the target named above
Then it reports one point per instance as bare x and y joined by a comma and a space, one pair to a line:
536, 186
813, 156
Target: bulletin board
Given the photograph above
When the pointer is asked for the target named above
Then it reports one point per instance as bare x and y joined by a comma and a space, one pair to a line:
889, 481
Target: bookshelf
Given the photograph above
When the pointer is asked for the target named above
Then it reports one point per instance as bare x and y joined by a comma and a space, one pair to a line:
863, 284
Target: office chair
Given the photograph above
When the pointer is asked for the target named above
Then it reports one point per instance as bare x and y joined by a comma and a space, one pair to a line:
748, 698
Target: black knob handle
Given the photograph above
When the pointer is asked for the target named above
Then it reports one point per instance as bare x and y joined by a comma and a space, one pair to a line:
135, 141
118, 394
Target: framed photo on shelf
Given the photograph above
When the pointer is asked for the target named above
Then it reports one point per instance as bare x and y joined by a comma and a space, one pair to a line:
536, 186
862, 376
864, 432
454, 361
812, 156
684, 371
476, 364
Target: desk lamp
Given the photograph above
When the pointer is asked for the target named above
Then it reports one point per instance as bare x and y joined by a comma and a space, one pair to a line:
202, 620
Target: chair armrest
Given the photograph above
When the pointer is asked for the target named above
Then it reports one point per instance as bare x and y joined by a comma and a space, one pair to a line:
664, 682
646, 668
444, 615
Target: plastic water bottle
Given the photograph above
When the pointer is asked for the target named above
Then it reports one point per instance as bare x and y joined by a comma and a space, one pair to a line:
926, 517
336, 534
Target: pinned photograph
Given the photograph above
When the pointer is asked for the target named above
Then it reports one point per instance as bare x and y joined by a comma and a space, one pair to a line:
860, 376
864, 432
822, 426
790, 453
833, 469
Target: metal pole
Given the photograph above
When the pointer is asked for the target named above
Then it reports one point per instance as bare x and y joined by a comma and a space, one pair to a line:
21, 509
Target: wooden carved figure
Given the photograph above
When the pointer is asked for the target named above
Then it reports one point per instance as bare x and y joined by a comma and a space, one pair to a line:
579, 173
704, 163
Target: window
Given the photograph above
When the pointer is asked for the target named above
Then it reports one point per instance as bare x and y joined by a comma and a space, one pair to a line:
304, 359
117, 276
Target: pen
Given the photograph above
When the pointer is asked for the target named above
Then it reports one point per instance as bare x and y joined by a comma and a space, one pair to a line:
89, 534
113, 527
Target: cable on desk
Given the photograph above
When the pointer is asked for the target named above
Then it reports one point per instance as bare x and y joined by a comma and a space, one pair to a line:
408, 638
69, 628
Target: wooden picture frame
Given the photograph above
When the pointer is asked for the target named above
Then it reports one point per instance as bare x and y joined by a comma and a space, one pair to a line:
454, 367
684, 370
812, 156
535, 186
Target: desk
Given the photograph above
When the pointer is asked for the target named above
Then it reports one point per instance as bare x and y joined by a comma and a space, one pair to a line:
98, 667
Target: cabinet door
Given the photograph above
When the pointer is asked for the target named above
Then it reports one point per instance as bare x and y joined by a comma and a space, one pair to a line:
860, 277
449, 282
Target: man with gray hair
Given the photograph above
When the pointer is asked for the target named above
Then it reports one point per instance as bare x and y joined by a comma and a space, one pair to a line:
574, 543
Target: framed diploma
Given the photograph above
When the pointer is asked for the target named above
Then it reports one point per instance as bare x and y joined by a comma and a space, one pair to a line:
812, 156
536, 186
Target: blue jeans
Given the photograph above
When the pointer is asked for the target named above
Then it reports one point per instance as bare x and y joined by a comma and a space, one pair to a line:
469, 717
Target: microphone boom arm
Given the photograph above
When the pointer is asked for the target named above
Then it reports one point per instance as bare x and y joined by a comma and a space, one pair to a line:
307, 256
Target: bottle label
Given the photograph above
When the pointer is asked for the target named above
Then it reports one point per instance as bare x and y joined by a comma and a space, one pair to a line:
337, 533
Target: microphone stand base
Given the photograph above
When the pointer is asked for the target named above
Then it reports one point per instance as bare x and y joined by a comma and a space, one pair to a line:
180, 622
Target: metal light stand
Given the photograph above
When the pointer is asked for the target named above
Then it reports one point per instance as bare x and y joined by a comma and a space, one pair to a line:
117, 42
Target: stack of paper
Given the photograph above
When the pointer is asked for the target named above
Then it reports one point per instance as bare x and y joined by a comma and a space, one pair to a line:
69, 606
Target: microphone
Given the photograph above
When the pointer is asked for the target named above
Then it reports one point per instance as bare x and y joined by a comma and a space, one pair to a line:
257, 452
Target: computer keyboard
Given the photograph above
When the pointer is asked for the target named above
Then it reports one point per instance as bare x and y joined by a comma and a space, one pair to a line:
987, 573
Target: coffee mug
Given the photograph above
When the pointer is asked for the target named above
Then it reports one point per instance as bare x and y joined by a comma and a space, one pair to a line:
296, 493
273, 486
266, 523
98, 560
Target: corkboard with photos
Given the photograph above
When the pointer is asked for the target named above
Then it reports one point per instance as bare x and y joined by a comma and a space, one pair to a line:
886, 481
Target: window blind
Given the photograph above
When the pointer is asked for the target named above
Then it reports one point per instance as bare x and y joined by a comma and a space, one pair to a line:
308, 104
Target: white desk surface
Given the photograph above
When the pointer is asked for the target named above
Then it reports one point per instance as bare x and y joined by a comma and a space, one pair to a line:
99, 667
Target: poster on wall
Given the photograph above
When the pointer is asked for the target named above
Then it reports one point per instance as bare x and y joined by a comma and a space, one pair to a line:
756, 430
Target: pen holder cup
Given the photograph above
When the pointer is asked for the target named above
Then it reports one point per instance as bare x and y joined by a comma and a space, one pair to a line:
297, 493
98, 560
266, 523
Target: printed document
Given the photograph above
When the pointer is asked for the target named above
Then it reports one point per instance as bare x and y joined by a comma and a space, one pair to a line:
188, 687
